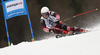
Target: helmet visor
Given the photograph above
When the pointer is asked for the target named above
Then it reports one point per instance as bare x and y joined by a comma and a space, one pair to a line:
45, 13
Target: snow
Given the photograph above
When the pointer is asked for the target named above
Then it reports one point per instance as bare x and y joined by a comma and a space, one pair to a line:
81, 44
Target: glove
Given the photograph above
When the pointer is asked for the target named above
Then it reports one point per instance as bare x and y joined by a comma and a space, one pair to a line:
52, 30
57, 18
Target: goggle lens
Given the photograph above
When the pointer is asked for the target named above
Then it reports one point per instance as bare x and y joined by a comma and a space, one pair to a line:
44, 14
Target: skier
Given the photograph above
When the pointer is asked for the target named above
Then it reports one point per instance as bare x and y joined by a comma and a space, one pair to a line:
50, 22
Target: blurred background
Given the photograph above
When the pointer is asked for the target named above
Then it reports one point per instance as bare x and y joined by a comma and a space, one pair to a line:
19, 29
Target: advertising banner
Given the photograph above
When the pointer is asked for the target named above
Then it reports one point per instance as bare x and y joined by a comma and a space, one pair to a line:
14, 8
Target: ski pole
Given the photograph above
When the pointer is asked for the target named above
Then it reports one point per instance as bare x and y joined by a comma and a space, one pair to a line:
50, 35
81, 14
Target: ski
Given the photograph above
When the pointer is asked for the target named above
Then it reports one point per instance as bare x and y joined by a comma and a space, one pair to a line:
71, 33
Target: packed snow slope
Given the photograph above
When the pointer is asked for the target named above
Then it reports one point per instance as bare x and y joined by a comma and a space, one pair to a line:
81, 44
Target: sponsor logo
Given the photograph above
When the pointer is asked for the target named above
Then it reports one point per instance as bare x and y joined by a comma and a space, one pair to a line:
15, 4
15, 13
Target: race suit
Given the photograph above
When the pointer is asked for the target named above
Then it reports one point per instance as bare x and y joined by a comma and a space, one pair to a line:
53, 23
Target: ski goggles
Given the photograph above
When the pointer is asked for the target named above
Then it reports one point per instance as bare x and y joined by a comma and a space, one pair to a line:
45, 13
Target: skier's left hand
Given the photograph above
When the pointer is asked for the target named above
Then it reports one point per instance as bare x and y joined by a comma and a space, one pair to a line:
57, 18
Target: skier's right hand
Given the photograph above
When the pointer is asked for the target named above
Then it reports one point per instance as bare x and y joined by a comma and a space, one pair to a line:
52, 30
55, 28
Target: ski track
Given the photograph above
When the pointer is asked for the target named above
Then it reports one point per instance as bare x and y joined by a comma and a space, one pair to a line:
81, 44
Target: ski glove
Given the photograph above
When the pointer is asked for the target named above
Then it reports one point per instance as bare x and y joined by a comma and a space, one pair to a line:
52, 30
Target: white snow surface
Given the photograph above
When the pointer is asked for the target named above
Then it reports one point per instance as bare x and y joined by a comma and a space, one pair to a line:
81, 44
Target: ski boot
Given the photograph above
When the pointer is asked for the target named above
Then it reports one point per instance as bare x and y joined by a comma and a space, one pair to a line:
58, 36
77, 30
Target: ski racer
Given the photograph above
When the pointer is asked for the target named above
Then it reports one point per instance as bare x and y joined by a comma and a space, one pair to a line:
50, 22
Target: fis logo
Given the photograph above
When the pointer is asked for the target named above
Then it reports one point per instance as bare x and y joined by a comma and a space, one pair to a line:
15, 4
